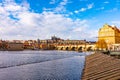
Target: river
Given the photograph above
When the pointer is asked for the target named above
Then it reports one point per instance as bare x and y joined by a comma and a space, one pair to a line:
41, 65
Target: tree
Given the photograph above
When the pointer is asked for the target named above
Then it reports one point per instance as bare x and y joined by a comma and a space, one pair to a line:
101, 44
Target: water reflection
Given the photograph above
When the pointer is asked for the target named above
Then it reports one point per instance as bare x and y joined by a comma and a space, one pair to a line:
41, 65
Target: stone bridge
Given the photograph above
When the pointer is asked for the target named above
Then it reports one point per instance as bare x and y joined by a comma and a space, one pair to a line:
88, 47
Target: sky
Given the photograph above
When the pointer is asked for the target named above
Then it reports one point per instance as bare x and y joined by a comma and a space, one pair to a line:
67, 19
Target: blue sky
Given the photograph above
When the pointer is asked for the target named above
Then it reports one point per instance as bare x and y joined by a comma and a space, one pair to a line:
68, 19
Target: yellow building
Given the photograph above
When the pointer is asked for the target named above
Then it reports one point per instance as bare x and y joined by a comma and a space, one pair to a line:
107, 36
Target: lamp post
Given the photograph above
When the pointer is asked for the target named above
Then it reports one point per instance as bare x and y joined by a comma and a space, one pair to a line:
85, 45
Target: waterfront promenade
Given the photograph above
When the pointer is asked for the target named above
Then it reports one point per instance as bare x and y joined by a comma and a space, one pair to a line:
100, 66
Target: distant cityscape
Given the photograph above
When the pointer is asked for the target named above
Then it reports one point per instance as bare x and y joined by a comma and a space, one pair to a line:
108, 39
48, 44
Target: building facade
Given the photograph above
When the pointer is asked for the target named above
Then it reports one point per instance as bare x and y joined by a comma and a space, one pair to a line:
108, 37
11, 46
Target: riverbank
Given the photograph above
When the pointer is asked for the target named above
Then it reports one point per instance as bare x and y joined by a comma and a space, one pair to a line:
101, 66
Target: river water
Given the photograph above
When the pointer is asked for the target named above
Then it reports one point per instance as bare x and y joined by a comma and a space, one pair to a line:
41, 65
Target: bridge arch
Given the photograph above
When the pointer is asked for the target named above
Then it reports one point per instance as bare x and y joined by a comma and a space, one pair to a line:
73, 48
61, 48
89, 48
67, 48
80, 48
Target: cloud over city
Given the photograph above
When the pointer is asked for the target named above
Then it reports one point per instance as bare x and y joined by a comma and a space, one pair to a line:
17, 22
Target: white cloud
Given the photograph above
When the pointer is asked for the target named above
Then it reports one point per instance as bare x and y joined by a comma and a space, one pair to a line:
89, 6
64, 2
76, 11
83, 9
106, 2
61, 7
12, 7
80, 10
52, 2
30, 25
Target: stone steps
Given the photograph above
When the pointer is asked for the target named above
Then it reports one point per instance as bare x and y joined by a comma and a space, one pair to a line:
105, 64
103, 74
100, 66
100, 70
